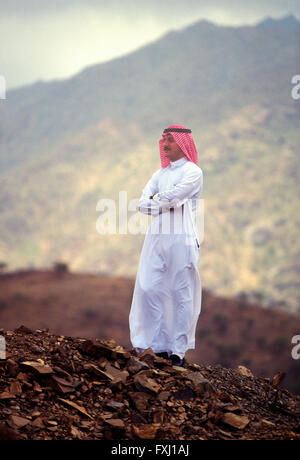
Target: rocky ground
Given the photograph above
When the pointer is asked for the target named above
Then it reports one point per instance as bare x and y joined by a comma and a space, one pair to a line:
59, 387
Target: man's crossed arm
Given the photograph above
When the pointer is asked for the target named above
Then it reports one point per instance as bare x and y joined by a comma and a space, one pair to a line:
154, 202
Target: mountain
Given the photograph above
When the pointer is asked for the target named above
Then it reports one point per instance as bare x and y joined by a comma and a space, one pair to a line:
66, 144
289, 22
230, 332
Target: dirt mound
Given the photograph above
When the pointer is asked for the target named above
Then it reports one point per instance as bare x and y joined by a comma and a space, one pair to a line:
58, 387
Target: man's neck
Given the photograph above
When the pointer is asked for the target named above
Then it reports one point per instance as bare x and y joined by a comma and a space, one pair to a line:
177, 159
179, 162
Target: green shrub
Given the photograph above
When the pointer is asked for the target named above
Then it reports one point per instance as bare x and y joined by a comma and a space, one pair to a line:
221, 321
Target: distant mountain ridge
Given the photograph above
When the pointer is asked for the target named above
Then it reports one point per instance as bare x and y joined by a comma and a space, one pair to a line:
127, 88
67, 143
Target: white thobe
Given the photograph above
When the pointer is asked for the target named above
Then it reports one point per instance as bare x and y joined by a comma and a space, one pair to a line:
166, 300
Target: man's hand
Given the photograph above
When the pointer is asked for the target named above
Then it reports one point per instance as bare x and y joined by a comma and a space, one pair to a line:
151, 198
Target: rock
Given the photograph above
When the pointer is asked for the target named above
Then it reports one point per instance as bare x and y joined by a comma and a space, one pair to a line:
115, 405
164, 395
180, 369
159, 416
267, 422
150, 358
147, 354
76, 406
61, 385
185, 394
100, 373
60, 371
15, 388
121, 397
231, 407
23, 330
75, 433
118, 375
38, 423
116, 423
96, 349
140, 400
114, 376
145, 383
12, 368
245, 371
277, 379
146, 431
6, 395
38, 367
37, 387
8, 434
201, 384
19, 422
236, 421
134, 365
52, 428
121, 353
51, 422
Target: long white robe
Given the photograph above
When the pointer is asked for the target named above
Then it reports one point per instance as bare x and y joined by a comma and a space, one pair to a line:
167, 295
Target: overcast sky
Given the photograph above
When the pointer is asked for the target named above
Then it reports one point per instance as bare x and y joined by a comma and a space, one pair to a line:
48, 39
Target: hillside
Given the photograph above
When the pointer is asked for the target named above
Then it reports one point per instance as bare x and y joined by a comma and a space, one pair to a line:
57, 387
230, 332
66, 144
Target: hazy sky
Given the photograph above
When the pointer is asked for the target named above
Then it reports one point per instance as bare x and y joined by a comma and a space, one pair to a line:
48, 39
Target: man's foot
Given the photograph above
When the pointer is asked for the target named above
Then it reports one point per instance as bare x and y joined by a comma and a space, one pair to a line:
176, 360
163, 354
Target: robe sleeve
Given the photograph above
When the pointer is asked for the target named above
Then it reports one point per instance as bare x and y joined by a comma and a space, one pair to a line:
176, 196
145, 205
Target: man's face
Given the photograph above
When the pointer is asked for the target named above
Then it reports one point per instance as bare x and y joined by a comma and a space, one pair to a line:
171, 149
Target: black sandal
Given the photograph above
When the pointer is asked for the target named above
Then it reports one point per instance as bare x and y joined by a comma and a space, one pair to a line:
176, 360
163, 355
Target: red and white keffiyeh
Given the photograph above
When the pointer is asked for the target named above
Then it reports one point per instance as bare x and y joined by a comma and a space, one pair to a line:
184, 139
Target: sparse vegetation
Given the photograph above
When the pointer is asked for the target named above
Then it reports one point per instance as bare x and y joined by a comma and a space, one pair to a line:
90, 313
279, 344
21, 297
261, 342
228, 352
3, 266
60, 267
221, 322
204, 332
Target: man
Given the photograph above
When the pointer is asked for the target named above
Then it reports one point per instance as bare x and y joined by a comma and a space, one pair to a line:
166, 300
